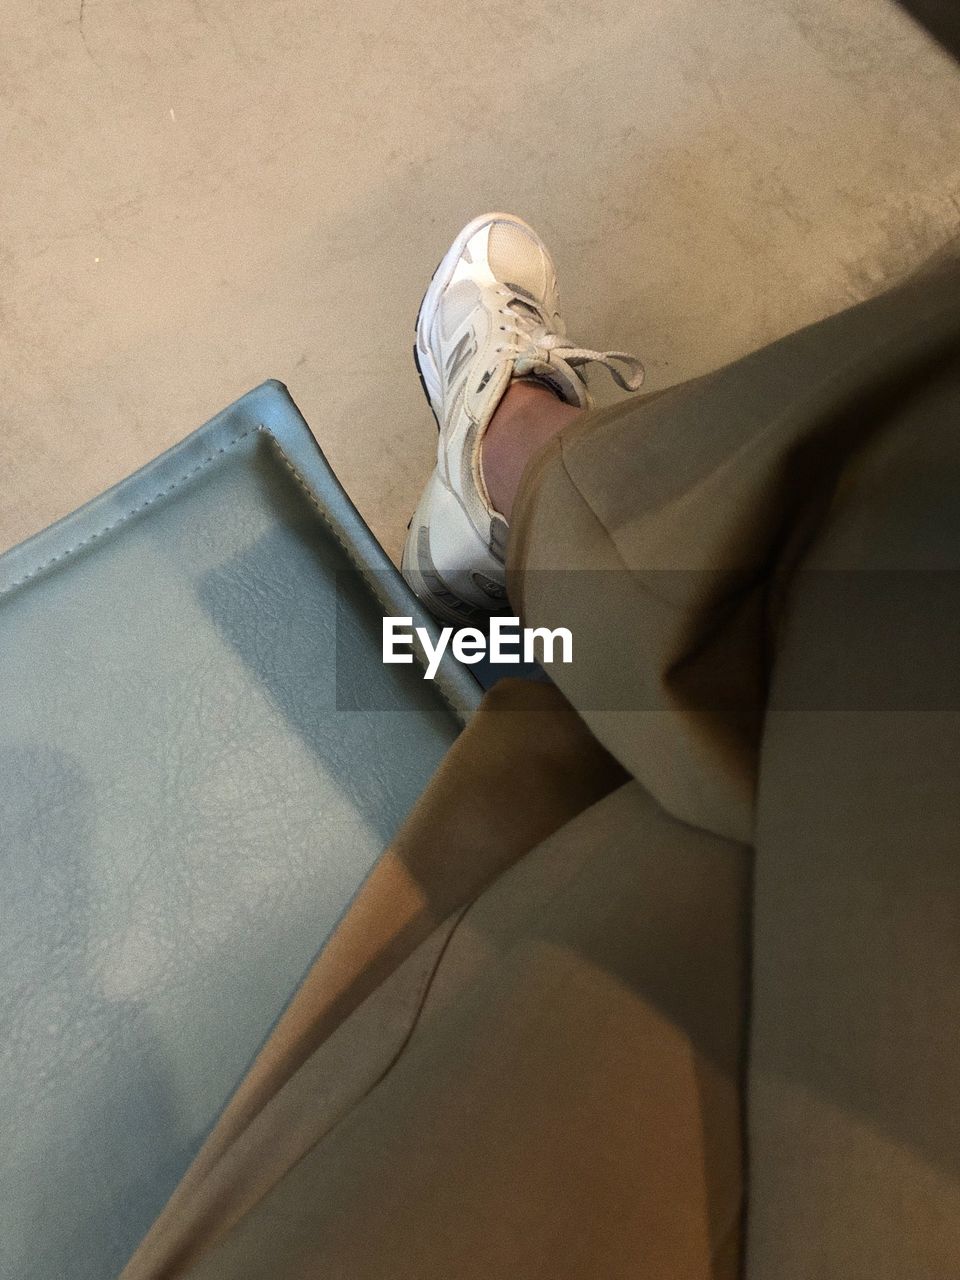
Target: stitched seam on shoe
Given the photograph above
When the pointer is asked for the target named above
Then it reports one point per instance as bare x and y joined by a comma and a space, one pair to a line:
127, 515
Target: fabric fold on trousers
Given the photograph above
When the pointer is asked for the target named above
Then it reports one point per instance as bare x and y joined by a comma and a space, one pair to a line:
527, 747
660, 533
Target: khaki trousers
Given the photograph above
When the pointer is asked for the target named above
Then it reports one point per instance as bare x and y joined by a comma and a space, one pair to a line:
696, 914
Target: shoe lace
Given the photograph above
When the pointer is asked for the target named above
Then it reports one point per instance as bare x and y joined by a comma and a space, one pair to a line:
524, 321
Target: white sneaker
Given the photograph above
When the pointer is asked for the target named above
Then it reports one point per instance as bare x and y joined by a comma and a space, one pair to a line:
491, 314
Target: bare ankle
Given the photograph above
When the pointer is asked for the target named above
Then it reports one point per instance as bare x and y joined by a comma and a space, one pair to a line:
526, 419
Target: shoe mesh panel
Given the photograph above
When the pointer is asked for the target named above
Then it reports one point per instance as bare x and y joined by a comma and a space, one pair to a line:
458, 301
516, 258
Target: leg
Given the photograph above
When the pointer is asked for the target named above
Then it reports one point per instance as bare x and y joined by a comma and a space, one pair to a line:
527, 418
760, 570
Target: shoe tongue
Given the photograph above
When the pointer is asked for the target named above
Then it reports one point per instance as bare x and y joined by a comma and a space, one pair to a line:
520, 307
556, 375
535, 364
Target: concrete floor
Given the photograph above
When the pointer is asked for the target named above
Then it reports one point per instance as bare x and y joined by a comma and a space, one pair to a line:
199, 195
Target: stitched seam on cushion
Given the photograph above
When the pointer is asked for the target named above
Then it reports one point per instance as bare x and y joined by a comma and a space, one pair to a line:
162, 493
127, 515
324, 516
348, 551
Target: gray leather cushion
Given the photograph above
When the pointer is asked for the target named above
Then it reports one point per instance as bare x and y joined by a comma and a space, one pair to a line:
201, 755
